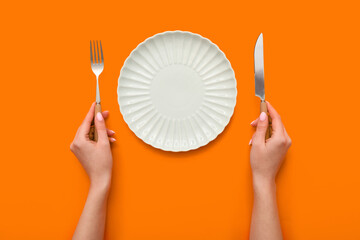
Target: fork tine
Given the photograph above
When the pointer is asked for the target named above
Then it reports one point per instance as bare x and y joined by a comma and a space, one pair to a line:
98, 56
102, 56
94, 52
91, 56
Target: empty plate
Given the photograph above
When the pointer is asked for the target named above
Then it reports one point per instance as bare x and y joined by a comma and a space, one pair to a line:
177, 91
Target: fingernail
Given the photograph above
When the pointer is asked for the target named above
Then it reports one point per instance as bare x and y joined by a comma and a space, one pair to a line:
250, 142
99, 116
262, 116
112, 132
112, 139
252, 122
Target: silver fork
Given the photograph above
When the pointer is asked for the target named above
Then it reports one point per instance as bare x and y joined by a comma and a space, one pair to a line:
97, 66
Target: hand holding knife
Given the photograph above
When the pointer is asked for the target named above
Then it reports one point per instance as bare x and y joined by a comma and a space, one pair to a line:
259, 79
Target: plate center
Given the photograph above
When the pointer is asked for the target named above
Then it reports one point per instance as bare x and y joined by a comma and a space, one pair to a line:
177, 91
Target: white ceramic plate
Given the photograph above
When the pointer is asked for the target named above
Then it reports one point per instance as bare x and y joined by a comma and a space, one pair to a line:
177, 91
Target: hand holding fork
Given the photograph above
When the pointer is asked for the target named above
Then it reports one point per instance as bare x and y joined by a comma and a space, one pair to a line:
97, 66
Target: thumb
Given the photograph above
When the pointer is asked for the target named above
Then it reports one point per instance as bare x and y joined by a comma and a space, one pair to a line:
259, 136
101, 127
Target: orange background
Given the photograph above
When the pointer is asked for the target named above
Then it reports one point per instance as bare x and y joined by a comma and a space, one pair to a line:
311, 73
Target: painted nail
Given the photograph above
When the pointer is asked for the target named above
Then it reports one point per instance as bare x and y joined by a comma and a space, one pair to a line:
250, 142
252, 122
111, 131
112, 139
262, 116
99, 116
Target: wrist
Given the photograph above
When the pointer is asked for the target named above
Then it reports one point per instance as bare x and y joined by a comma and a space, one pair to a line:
263, 184
101, 184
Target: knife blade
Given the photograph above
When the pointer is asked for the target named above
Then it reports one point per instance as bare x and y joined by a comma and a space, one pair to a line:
259, 68
259, 78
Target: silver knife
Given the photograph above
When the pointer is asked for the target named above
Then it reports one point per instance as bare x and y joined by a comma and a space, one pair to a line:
259, 78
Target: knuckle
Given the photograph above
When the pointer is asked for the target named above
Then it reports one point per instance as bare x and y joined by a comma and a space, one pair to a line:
71, 147
75, 145
103, 143
289, 142
281, 141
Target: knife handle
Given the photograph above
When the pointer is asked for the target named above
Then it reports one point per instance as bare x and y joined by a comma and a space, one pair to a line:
263, 108
93, 133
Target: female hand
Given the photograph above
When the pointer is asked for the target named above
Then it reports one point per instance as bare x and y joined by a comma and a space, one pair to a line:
267, 156
95, 157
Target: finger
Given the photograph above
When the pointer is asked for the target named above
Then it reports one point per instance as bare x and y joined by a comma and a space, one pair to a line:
262, 125
277, 125
85, 126
101, 128
105, 114
254, 123
112, 140
110, 132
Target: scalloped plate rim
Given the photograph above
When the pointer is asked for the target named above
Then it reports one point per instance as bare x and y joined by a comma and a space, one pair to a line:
164, 148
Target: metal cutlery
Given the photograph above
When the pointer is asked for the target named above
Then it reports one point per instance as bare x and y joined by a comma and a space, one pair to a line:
259, 79
97, 66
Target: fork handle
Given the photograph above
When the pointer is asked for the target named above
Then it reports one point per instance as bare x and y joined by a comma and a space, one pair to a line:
93, 135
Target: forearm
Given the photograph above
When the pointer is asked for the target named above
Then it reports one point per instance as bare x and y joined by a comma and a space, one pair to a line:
91, 225
265, 223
